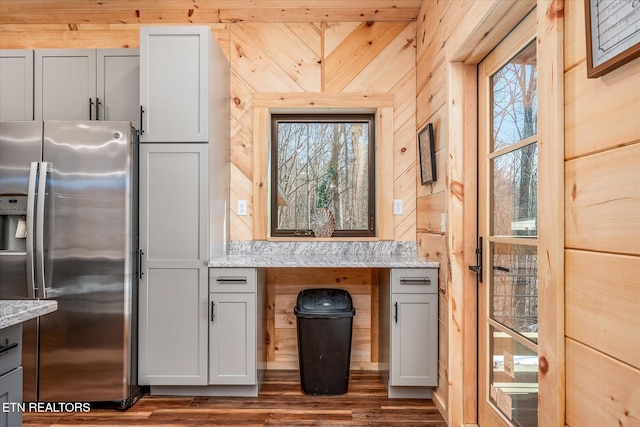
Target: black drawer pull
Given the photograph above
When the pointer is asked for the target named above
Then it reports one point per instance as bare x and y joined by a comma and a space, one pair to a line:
232, 280
6, 348
415, 281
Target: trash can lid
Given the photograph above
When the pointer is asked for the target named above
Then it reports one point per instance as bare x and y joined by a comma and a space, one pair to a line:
322, 303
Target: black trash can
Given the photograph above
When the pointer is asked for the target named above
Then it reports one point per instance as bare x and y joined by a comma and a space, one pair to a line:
324, 320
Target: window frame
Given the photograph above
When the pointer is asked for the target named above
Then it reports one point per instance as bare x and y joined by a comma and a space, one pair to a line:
317, 117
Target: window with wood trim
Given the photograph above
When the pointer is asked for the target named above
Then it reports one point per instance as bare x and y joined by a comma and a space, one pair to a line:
322, 161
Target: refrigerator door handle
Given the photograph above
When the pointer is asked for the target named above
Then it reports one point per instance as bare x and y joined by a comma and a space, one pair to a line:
42, 188
31, 201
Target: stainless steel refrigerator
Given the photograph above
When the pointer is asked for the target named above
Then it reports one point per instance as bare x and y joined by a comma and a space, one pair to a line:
68, 231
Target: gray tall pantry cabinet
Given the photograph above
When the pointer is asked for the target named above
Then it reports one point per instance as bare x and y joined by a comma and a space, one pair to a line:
184, 185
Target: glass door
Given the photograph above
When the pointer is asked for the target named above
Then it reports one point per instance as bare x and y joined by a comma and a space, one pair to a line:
508, 218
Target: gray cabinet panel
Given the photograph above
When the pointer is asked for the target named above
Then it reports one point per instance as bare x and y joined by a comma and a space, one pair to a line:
65, 84
174, 284
232, 329
11, 391
174, 194
174, 83
408, 327
11, 376
118, 85
87, 84
173, 338
16, 84
413, 355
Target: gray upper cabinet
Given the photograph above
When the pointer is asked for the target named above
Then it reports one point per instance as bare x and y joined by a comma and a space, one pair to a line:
173, 286
118, 85
87, 84
174, 83
16, 85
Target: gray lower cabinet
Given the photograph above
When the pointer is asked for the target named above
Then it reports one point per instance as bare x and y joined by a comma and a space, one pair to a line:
237, 319
10, 375
409, 331
173, 282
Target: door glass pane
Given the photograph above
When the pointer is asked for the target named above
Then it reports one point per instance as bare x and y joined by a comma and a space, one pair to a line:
514, 299
514, 94
515, 192
514, 379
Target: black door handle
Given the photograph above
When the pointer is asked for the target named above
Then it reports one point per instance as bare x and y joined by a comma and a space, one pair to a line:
6, 348
141, 113
140, 269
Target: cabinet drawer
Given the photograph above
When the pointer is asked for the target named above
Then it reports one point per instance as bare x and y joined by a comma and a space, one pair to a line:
10, 348
232, 280
414, 280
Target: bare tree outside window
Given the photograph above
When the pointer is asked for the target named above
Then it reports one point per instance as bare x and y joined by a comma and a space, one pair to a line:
322, 161
514, 180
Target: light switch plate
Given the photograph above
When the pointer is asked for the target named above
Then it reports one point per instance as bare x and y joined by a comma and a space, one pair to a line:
242, 207
397, 207
443, 223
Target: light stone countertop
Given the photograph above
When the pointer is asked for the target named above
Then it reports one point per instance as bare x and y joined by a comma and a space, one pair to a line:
264, 254
322, 260
13, 312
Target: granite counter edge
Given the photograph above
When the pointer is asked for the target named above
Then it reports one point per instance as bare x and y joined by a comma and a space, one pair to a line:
13, 312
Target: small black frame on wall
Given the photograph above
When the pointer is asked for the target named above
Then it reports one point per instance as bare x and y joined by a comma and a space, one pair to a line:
426, 148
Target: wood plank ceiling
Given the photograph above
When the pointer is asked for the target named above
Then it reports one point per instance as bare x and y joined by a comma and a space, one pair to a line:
78, 12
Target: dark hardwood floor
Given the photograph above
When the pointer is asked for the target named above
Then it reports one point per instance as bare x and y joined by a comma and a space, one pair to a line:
281, 403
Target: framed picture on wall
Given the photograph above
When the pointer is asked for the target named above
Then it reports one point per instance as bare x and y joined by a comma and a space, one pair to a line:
613, 34
426, 148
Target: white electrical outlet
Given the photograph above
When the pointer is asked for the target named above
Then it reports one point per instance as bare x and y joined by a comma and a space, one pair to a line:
443, 223
242, 207
397, 207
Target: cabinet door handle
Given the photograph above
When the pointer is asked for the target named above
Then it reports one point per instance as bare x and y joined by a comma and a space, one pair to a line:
395, 313
415, 280
97, 108
141, 113
90, 109
213, 315
6, 348
140, 269
232, 280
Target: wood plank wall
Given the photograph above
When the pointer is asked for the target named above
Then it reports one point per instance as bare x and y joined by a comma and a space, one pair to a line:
602, 238
437, 21
602, 216
339, 57
269, 57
